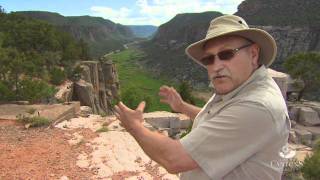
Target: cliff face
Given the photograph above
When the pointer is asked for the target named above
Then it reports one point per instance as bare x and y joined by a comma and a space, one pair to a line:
291, 40
184, 28
294, 24
298, 13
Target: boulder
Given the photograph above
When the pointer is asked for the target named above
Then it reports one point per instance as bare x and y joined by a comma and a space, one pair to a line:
85, 111
294, 112
314, 130
308, 117
166, 120
185, 121
304, 136
84, 93
160, 119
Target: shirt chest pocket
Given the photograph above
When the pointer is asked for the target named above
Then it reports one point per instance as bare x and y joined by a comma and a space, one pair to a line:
208, 113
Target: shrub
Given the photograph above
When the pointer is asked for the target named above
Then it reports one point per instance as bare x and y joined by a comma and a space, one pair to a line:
305, 67
35, 90
35, 121
185, 90
74, 73
5, 93
131, 97
311, 165
292, 170
103, 129
31, 110
57, 76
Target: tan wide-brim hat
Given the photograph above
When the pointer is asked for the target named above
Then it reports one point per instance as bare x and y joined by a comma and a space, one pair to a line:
235, 25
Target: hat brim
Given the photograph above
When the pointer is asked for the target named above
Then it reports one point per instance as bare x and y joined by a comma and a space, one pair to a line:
268, 48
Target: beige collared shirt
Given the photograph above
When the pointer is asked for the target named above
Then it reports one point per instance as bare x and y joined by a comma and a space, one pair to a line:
239, 136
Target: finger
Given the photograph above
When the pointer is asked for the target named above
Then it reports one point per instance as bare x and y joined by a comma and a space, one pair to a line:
163, 94
164, 88
117, 109
123, 107
141, 106
164, 101
172, 89
117, 115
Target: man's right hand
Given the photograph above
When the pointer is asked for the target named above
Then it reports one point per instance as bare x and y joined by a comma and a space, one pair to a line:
171, 97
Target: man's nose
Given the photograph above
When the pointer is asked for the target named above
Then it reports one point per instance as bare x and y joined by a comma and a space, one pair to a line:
216, 66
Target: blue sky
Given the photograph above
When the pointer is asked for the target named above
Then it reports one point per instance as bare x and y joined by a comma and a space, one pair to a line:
127, 12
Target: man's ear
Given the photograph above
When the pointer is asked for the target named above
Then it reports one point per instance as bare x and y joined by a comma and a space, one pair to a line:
254, 52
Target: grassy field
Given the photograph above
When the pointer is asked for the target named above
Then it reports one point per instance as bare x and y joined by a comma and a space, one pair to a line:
136, 84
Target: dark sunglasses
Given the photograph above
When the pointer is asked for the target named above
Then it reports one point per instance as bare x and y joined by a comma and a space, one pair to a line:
223, 55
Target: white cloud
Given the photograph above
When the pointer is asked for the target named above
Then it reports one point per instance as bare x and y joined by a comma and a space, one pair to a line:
112, 14
157, 12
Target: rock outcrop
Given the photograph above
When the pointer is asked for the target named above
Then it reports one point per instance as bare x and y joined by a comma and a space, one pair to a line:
98, 86
305, 118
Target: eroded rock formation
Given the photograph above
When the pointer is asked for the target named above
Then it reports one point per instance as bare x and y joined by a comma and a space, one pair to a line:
98, 86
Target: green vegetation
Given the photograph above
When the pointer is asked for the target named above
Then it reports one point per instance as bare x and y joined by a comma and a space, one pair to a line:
34, 121
103, 129
98, 35
185, 90
31, 110
137, 84
305, 67
57, 76
34, 54
292, 170
307, 170
311, 165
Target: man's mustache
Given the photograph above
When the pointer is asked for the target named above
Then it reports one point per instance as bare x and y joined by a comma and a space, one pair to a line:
220, 74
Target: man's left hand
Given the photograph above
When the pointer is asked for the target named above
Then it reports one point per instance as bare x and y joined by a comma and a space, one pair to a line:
130, 118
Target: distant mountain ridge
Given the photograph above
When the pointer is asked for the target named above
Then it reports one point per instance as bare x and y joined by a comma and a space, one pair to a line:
143, 31
101, 35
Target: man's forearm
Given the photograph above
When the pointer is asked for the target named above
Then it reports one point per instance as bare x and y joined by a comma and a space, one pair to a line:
167, 152
189, 110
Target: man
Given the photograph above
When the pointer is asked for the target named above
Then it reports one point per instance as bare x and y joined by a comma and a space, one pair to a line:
242, 129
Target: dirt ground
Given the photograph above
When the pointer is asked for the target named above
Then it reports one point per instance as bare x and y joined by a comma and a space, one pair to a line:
74, 149
38, 153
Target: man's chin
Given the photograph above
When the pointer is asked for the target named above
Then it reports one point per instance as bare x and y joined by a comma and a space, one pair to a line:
220, 91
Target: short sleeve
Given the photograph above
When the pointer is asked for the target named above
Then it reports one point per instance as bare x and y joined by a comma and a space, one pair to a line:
221, 143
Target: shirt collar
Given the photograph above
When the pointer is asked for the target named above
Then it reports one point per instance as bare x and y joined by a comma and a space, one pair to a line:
255, 76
